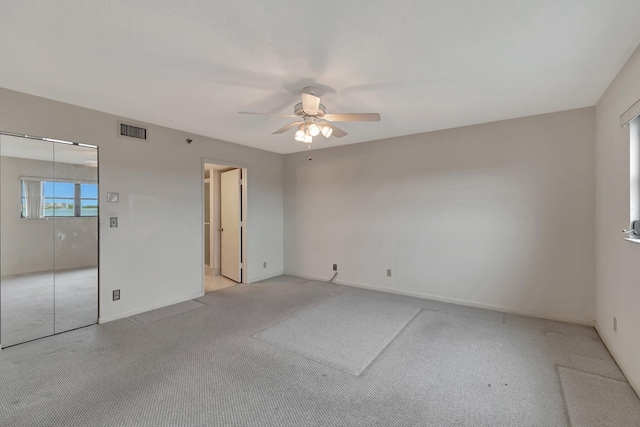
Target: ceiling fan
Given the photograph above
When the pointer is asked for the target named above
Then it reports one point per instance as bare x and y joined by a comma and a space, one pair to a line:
313, 118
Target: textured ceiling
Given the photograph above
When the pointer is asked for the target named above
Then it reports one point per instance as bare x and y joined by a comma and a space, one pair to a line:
424, 65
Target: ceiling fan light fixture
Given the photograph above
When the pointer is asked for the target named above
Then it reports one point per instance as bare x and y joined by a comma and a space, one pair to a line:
314, 129
312, 118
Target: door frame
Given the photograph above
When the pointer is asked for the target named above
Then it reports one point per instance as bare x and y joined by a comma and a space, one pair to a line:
245, 226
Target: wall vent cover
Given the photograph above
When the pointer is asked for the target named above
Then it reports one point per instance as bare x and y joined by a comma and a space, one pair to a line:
133, 131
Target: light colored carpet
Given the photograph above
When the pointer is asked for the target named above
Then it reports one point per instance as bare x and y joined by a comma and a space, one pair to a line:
450, 367
29, 302
346, 332
165, 312
596, 401
603, 367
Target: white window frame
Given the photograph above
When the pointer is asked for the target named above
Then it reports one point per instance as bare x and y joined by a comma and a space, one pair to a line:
631, 119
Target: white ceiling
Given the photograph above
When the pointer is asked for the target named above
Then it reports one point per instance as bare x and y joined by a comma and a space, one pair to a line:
423, 64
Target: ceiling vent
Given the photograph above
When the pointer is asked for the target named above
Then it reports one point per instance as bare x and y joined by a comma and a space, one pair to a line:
131, 131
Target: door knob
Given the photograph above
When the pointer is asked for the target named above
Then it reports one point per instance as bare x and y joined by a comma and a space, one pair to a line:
221, 229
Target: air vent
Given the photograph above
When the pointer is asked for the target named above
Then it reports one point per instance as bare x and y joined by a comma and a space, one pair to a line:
133, 131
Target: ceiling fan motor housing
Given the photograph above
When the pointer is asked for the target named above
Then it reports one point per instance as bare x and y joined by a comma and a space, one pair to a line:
298, 110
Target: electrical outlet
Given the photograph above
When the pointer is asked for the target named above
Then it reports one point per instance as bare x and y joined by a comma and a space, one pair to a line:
116, 294
113, 222
615, 324
335, 267
388, 272
264, 264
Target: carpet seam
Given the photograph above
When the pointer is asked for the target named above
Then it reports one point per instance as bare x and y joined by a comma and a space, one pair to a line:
417, 305
168, 317
572, 375
592, 374
420, 309
288, 350
564, 398
390, 341
293, 315
135, 322
334, 366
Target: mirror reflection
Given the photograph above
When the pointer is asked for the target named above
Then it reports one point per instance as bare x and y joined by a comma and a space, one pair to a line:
49, 238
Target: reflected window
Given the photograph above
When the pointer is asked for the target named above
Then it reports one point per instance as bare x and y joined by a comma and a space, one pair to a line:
88, 199
45, 199
59, 198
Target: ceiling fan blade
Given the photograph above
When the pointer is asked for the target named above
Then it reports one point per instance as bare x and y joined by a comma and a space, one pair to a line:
337, 132
286, 128
353, 117
269, 114
310, 103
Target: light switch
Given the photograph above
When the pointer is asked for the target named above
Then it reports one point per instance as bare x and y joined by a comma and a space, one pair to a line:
113, 197
113, 222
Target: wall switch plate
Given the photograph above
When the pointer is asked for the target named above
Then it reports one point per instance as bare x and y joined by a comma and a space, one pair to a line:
264, 264
615, 324
388, 272
113, 222
335, 267
116, 294
113, 197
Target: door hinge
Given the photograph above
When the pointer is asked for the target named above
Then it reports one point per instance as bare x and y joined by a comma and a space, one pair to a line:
241, 181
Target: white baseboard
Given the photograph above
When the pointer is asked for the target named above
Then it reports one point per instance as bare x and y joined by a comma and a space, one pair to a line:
547, 316
145, 309
265, 277
618, 360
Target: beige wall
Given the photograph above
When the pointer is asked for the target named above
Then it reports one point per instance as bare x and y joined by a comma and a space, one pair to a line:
156, 255
496, 215
617, 277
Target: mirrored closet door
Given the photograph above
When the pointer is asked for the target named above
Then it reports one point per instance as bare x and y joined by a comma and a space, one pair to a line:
48, 237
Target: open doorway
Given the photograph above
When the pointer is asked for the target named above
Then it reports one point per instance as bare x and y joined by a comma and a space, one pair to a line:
224, 213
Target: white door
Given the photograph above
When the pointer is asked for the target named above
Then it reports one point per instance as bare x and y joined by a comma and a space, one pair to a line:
231, 224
